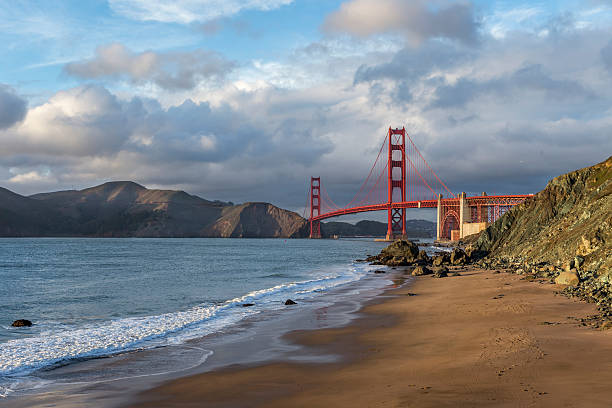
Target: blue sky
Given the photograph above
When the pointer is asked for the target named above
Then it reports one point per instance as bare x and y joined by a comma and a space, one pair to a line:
245, 99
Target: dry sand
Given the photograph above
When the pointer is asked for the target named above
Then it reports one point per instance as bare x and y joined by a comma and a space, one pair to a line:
480, 339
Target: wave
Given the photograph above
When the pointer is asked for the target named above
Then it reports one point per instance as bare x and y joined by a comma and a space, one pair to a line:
21, 357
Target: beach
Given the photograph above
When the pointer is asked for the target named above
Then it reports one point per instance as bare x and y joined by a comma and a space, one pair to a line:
484, 338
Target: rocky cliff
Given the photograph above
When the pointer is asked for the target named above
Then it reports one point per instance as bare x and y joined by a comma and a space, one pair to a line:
127, 209
568, 223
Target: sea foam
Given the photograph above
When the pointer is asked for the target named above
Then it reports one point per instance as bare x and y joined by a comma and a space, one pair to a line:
23, 356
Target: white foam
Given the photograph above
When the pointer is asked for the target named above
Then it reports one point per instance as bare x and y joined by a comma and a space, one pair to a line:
23, 356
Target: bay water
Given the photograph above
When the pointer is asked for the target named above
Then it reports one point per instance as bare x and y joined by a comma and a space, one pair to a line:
90, 297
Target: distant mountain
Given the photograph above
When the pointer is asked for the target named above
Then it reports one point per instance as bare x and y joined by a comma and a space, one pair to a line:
127, 209
414, 228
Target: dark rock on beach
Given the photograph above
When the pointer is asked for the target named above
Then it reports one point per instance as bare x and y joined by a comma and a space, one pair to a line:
22, 323
440, 272
421, 270
289, 302
458, 257
248, 304
443, 259
399, 253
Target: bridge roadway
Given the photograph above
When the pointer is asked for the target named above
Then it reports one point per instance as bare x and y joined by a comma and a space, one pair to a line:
418, 204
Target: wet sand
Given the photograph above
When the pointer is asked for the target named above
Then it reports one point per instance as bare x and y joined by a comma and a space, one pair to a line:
480, 339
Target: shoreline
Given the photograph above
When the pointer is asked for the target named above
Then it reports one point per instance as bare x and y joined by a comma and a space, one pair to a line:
111, 380
480, 339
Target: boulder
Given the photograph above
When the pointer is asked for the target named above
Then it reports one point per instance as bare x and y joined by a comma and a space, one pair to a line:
402, 249
289, 302
458, 257
441, 260
440, 272
423, 256
568, 278
22, 323
421, 270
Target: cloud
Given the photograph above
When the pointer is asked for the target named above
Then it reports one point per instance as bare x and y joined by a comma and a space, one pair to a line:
86, 134
12, 107
531, 78
170, 70
606, 56
189, 11
417, 20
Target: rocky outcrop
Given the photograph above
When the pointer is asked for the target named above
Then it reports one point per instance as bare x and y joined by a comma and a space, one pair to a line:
399, 253
571, 217
458, 257
442, 259
421, 270
562, 234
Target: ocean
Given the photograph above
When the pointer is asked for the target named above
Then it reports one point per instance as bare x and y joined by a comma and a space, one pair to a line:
93, 297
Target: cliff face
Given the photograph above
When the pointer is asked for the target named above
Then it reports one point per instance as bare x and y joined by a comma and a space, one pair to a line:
571, 217
127, 209
258, 220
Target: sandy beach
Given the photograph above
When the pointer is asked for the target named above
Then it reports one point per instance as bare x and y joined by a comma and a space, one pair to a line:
480, 339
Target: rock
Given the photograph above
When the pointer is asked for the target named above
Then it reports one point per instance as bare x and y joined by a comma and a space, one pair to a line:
578, 261
379, 271
458, 257
568, 278
22, 323
441, 260
405, 250
248, 304
441, 272
423, 256
289, 302
420, 271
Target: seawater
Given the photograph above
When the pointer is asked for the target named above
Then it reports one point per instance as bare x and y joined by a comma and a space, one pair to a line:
97, 297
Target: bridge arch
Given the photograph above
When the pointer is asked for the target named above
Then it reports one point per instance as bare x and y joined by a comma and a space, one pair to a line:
450, 222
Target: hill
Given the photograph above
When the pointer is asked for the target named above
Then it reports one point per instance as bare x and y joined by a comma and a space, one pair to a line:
568, 223
127, 209
414, 228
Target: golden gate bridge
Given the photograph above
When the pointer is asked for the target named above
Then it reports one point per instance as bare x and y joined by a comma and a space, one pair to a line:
401, 178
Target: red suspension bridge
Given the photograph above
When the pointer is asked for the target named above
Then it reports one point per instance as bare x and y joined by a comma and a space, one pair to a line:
401, 178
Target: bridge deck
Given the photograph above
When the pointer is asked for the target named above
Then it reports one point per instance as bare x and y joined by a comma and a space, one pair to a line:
499, 200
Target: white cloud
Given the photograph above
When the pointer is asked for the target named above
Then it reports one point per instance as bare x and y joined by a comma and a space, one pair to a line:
189, 11
414, 19
30, 177
169, 70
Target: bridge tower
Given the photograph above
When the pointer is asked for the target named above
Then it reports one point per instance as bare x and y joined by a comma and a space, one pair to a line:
396, 217
315, 206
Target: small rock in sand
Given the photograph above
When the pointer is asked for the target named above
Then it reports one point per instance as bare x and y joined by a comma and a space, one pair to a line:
290, 302
248, 304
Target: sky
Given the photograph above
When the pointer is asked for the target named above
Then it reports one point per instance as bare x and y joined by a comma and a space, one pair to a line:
244, 100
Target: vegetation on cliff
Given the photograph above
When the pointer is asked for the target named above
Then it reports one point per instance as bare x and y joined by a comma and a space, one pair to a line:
569, 222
